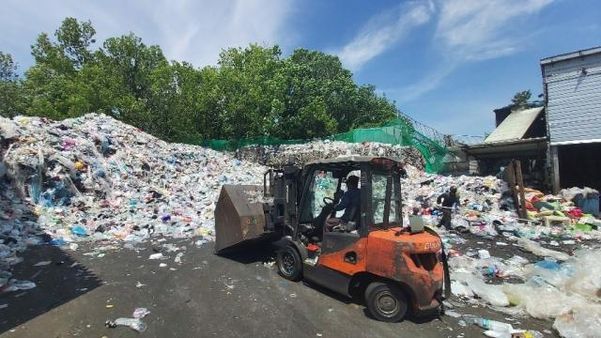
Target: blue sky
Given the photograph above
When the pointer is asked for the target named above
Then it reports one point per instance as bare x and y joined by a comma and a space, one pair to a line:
446, 63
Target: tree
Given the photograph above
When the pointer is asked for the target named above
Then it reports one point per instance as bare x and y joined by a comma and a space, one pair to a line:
11, 98
54, 85
521, 99
252, 92
250, 86
8, 68
130, 64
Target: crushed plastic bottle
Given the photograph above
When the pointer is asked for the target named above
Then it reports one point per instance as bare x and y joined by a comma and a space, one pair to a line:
488, 324
16, 285
134, 323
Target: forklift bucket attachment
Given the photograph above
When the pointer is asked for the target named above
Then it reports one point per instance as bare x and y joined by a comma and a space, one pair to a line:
239, 215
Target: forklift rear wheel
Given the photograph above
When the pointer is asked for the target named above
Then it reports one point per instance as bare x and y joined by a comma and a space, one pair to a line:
289, 263
385, 301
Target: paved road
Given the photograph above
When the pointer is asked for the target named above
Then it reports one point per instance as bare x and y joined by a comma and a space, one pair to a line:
207, 295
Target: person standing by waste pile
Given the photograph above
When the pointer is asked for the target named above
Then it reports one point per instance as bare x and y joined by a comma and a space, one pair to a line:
449, 200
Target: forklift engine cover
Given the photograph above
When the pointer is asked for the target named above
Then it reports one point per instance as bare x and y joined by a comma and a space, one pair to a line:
413, 260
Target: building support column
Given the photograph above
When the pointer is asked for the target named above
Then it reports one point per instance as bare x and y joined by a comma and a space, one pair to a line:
555, 178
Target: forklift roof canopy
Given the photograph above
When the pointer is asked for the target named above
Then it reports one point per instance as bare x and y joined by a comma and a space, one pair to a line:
355, 159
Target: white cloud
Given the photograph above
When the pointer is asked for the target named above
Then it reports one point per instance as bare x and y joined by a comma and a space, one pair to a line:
384, 31
186, 30
478, 30
428, 82
473, 30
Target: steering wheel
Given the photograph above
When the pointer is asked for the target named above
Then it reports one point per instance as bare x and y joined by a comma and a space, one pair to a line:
330, 199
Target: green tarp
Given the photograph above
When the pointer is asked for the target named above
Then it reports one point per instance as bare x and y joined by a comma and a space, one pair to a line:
396, 132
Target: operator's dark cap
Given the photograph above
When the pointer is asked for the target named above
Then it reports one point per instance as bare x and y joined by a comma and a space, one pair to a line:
352, 180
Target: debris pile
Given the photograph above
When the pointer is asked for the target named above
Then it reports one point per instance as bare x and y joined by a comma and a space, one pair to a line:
94, 177
522, 267
279, 155
487, 208
577, 206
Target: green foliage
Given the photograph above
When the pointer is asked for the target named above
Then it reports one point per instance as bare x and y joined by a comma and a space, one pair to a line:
11, 94
8, 68
252, 92
521, 99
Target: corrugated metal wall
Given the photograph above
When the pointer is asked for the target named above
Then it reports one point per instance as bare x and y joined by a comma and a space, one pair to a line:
574, 99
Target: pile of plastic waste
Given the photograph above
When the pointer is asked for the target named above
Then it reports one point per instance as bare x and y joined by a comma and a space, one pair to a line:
521, 267
569, 292
577, 206
279, 155
487, 208
95, 177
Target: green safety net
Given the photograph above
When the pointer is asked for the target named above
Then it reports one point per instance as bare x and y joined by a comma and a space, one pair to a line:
396, 132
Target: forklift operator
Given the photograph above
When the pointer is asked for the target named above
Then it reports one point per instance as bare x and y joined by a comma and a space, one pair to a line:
350, 203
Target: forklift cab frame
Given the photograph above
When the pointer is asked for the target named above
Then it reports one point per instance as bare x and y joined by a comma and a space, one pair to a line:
365, 215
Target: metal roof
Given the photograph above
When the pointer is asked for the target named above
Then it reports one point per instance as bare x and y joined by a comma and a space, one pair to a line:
514, 148
571, 55
515, 126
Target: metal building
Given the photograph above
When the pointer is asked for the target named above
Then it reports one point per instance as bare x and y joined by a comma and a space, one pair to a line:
572, 86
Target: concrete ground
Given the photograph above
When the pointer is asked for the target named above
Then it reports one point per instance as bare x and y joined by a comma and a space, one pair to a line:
206, 295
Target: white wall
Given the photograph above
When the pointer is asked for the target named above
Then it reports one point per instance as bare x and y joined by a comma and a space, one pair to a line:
574, 99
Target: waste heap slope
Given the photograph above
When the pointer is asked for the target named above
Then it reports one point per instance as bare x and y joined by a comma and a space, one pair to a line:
94, 177
520, 267
278, 155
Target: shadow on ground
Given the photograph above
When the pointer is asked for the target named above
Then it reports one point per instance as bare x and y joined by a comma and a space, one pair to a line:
250, 252
263, 251
57, 282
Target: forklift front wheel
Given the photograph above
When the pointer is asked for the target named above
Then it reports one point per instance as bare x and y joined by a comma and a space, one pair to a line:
289, 263
386, 302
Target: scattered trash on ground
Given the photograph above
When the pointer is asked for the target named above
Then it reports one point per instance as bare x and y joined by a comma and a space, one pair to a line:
134, 323
141, 312
156, 256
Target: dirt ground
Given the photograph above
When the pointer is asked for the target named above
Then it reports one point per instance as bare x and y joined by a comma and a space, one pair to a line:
240, 295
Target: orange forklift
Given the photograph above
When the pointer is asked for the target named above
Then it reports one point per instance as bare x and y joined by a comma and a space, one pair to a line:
395, 268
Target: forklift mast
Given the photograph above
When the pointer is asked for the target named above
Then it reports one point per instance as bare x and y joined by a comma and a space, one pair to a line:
283, 185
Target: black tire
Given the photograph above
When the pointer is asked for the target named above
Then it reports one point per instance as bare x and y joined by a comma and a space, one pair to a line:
289, 263
386, 302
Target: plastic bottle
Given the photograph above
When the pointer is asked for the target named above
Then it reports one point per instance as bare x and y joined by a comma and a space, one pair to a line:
134, 323
15, 285
488, 324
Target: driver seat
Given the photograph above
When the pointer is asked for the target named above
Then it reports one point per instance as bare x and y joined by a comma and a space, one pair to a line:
320, 221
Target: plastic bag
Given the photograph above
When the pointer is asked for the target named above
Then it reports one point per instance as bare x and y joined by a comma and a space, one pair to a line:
492, 294
542, 301
580, 323
538, 250
584, 279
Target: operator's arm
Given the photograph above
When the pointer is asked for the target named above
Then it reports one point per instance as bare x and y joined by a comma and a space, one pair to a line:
344, 202
440, 198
